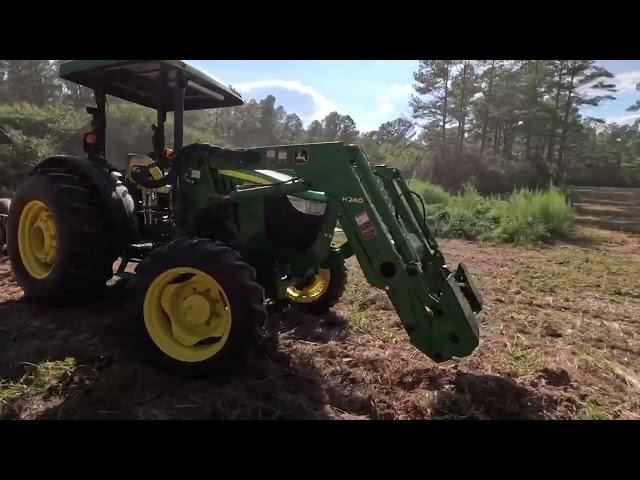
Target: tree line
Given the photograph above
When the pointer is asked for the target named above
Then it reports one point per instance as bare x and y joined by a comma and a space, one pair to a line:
495, 123
521, 116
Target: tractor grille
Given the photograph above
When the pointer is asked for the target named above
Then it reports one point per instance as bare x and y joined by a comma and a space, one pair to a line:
289, 229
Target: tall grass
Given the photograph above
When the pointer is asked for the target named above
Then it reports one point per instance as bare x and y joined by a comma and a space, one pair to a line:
525, 216
430, 193
530, 216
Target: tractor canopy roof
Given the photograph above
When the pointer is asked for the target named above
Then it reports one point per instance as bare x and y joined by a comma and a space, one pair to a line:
151, 82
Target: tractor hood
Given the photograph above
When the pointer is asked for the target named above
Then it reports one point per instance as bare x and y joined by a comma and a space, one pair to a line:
269, 177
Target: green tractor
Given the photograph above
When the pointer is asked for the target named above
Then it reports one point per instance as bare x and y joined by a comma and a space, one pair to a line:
218, 235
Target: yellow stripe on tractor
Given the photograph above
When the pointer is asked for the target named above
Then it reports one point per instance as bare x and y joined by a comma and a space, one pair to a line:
246, 177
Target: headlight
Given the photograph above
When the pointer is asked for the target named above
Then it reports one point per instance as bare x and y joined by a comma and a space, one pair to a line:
307, 206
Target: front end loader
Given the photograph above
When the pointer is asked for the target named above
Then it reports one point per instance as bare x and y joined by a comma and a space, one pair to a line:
219, 235
386, 229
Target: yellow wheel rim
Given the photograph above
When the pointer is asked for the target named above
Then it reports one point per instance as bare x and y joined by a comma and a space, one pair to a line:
37, 239
313, 291
187, 314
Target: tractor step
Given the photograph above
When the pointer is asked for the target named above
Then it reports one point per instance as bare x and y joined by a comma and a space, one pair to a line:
137, 251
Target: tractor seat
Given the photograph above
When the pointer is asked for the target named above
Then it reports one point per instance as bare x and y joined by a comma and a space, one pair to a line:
136, 160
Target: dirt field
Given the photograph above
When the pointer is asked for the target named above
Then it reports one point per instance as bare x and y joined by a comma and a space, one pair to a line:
612, 208
560, 339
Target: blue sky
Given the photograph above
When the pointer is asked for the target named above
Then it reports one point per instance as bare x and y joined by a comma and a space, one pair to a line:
627, 74
371, 91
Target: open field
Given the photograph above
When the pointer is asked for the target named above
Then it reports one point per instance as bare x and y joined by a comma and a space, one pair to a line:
560, 339
612, 208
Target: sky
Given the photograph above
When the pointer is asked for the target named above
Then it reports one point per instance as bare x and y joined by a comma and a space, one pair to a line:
627, 74
371, 91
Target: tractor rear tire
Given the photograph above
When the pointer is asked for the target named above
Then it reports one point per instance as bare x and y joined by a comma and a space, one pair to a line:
336, 279
197, 308
5, 204
58, 238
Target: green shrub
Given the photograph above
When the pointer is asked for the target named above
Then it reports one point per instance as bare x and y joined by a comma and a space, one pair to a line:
472, 215
430, 193
532, 216
438, 219
523, 217
33, 121
18, 155
554, 209
28, 134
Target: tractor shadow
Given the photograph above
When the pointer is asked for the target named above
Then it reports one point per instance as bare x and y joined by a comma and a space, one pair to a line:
297, 324
493, 397
111, 381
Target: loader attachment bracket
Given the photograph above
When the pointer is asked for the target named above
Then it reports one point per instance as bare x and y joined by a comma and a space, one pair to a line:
468, 288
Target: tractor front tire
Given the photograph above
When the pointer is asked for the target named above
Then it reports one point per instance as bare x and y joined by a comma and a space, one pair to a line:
197, 308
58, 237
323, 292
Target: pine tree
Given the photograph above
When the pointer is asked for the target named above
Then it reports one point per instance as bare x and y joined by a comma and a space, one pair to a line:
292, 129
331, 127
487, 98
33, 81
268, 119
580, 73
463, 88
396, 132
433, 81
314, 132
348, 132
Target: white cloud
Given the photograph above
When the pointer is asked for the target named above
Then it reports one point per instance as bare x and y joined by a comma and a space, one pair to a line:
322, 105
384, 108
625, 119
626, 82
390, 96
385, 103
396, 90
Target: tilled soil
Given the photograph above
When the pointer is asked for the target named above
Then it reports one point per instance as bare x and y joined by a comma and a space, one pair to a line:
560, 339
608, 207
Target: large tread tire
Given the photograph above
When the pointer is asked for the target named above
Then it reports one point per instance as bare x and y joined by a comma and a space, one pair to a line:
85, 252
5, 204
237, 279
337, 284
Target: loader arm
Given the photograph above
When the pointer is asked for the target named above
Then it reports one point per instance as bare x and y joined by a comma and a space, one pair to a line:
386, 229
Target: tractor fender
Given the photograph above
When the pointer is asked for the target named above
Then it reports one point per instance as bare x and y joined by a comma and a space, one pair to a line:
112, 191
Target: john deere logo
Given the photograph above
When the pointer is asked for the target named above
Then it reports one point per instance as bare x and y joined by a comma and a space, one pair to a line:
301, 157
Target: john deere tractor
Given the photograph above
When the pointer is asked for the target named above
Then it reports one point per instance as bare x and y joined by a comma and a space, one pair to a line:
217, 235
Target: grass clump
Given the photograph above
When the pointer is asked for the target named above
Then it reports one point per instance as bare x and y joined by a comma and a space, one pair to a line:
471, 215
48, 378
531, 216
523, 217
522, 360
593, 361
594, 411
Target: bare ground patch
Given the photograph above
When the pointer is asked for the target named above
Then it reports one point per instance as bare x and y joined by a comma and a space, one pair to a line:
560, 339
